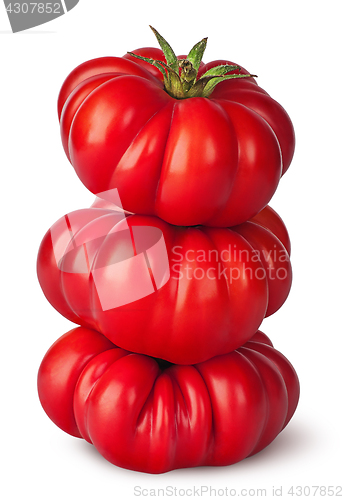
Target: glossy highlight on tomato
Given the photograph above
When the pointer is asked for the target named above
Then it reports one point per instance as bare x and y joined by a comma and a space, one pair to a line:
183, 294
151, 417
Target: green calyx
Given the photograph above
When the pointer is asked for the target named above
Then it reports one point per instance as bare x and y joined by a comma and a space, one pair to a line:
180, 75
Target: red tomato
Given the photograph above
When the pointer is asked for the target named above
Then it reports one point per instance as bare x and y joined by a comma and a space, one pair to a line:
177, 293
149, 416
213, 160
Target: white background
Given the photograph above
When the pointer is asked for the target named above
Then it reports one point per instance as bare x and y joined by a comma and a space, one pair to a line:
296, 48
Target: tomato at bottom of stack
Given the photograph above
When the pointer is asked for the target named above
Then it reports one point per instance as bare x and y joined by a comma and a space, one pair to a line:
149, 415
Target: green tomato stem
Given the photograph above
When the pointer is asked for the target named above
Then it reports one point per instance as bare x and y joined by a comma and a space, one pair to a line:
180, 76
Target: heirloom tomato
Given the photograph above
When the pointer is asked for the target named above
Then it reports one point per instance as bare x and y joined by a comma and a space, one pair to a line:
191, 143
152, 416
183, 294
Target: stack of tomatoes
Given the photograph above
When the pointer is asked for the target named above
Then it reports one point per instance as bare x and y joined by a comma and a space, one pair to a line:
172, 270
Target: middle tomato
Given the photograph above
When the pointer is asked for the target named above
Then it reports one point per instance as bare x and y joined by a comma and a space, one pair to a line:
183, 294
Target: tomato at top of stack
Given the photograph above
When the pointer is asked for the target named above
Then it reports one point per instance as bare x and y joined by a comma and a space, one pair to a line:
208, 151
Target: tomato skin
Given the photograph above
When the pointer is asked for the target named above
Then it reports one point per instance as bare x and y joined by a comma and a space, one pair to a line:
99, 66
269, 219
213, 161
214, 280
58, 376
276, 262
145, 417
